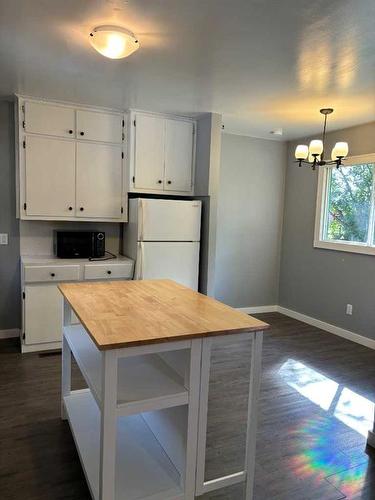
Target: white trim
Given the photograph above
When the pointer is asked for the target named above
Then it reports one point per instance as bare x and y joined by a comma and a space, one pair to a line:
258, 309
9, 334
321, 202
336, 330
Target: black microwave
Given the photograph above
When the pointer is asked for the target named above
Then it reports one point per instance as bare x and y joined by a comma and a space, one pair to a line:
83, 244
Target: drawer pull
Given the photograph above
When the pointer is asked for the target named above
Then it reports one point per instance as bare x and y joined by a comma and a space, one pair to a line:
53, 275
81, 209
70, 208
82, 133
70, 131
109, 272
159, 181
169, 182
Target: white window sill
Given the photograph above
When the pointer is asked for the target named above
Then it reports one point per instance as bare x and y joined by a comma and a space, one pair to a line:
345, 247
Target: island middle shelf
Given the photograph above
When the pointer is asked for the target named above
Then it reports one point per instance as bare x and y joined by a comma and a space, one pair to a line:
145, 382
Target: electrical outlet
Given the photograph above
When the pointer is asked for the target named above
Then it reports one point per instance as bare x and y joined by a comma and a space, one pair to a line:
3, 238
349, 309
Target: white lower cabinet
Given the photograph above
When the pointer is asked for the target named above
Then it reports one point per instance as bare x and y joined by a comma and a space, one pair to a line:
43, 301
43, 318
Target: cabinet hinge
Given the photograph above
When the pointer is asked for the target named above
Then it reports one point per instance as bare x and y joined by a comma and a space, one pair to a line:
24, 144
23, 295
122, 210
123, 123
23, 336
134, 123
23, 124
122, 154
133, 179
23, 108
24, 206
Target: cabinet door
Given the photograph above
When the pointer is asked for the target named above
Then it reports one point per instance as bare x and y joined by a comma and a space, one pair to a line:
178, 155
97, 126
43, 314
149, 152
99, 181
41, 118
50, 176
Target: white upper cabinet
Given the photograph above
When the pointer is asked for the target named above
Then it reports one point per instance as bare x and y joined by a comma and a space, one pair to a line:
149, 152
70, 162
178, 155
99, 181
161, 154
50, 177
48, 119
98, 126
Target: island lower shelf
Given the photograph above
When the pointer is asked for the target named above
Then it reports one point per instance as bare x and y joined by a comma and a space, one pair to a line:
143, 469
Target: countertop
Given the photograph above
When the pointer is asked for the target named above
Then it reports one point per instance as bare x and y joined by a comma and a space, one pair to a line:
127, 313
39, 260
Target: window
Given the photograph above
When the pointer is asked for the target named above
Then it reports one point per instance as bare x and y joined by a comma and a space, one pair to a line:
345, 214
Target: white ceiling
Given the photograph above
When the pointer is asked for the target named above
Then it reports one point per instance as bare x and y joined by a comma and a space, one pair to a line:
263, 64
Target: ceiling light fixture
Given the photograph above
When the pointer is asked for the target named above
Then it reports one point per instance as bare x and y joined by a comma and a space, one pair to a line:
313, 155
113, 42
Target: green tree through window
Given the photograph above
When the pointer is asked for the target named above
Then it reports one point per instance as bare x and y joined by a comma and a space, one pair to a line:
349, 201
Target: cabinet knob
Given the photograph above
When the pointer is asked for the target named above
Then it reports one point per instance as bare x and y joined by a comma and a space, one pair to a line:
159, 181
70, 131
169, 182
109, 272
81, 209
70, 208
81, 133
53, 275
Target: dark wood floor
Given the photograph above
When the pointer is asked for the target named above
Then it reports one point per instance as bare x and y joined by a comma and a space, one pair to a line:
316, 392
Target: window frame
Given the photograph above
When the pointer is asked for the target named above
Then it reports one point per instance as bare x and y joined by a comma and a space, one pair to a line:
321, 204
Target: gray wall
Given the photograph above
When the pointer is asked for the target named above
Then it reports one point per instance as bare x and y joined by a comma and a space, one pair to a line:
250, 210
10, 316
320, 282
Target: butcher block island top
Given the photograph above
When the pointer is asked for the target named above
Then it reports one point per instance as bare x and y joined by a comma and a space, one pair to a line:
128, 313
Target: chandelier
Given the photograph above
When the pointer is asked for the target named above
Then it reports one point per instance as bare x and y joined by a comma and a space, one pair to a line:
313, 155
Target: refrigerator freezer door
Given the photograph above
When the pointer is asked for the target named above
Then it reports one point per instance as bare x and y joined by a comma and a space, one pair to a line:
169, 220
178, 261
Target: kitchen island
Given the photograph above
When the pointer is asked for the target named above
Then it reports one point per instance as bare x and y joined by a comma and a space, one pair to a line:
144, 349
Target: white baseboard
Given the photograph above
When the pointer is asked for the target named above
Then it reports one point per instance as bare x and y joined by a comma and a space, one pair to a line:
258, 309
8, 334
336, 330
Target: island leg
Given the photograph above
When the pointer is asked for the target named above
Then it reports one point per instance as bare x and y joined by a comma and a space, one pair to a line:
255, 379
247, 474
108, 426
371, 436
66, 361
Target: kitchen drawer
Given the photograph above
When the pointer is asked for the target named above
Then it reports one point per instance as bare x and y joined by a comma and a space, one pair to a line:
108, 271
35, 274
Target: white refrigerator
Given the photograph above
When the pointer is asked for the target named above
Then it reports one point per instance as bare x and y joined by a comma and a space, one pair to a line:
163, 236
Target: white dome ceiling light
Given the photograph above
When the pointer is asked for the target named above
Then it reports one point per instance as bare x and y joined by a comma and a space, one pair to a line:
113, 41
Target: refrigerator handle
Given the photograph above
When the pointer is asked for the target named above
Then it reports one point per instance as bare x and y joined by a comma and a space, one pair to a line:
141, 217
142, 260
138, 273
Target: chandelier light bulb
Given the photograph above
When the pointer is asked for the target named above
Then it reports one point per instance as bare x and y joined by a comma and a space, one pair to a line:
302, 152
334, 154
113, 41
342, 149
316, 147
